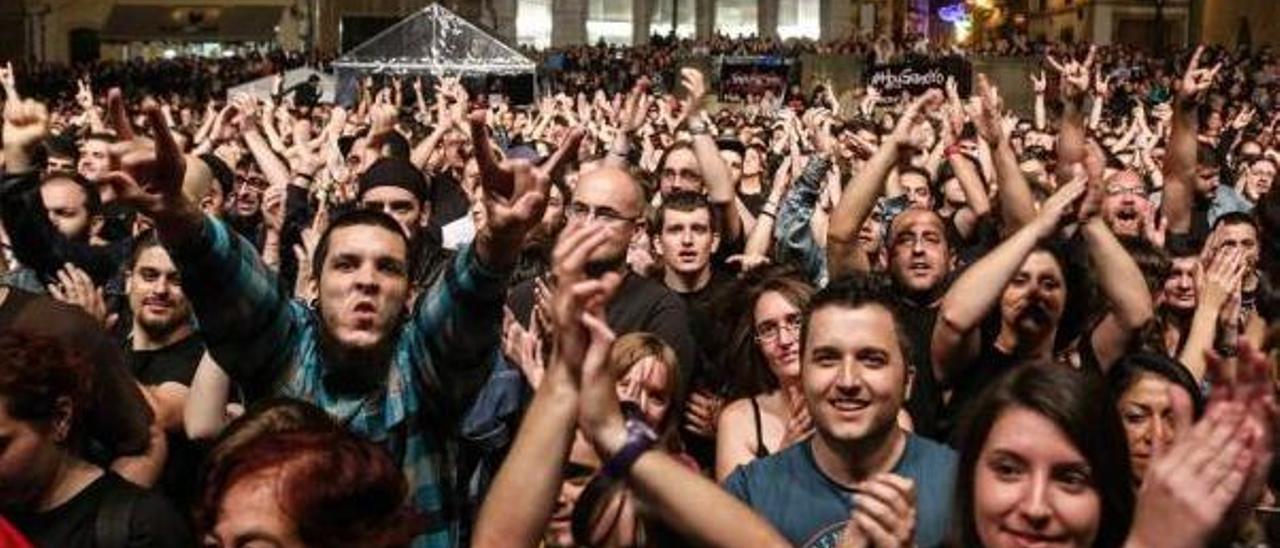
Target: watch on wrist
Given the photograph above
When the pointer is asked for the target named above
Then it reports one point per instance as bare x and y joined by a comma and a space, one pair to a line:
640, 438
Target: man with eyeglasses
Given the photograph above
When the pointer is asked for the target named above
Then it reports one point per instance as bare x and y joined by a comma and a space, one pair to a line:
611, 199
1125, 207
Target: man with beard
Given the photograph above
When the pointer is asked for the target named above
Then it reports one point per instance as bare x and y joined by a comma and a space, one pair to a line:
860, 473
163, 352
1125, 208
392, 370
397, 188
1028, 280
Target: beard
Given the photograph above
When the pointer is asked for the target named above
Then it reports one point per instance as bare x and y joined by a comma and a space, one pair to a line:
161, 328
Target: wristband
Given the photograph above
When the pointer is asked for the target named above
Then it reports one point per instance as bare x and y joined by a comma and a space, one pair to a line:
696, 127
640, 438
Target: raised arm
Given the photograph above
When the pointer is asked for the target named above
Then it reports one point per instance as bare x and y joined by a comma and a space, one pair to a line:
635, 109
1180, 161
978, 289
859, 196
720, 191
689, 503
460, 316
248, 324
523, 493
1017, 203
1071, 130
273, 168
1038, 86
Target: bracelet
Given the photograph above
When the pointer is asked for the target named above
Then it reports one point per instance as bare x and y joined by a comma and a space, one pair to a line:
640, 438
697, 127
767, 213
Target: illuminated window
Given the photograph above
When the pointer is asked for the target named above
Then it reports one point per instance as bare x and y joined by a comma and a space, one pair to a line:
533, 23
799, 19
609, 20
737, 17
660, 23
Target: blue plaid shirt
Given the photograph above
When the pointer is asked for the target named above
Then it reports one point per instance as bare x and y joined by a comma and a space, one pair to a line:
270, 345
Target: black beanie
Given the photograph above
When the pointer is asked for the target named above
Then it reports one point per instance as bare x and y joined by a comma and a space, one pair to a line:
221, 173
398, 173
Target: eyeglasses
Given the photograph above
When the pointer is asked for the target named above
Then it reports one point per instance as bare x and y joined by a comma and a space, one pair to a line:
1115, 190
579, 211
771, 330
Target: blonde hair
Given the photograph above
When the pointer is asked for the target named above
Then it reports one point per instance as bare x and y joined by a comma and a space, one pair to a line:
629, 349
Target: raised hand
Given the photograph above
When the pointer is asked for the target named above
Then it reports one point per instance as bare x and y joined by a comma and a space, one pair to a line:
151, 172
904, 133
953, 113
497, 177
25, 124
1101, 85
1075, 74
696, 86
273, 208
747, 263
84, 94
1155, 226
1057, 208
577, 295
76, 288
1038, 85
985, 108
1196, 80
1243, 118
635, 110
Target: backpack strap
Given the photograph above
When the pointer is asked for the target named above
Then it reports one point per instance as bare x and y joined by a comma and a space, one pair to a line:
111, 526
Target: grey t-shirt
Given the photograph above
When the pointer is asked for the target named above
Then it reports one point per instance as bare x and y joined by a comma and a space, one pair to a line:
811, 510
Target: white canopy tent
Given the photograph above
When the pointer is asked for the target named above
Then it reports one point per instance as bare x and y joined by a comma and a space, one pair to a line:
434, 42
261, 87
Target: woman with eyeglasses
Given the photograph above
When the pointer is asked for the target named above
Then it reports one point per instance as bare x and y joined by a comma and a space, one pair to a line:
773, 414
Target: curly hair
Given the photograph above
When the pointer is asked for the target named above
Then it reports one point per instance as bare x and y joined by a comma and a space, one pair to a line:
36, 373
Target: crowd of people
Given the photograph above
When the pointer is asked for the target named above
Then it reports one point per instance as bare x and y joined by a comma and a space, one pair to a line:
618, 317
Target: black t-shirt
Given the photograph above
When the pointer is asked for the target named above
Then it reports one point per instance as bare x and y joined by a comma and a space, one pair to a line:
991, 363
640, 304
175, 363
448, 201
710, 336
925, 401
702, 305
754, 202
153, 522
